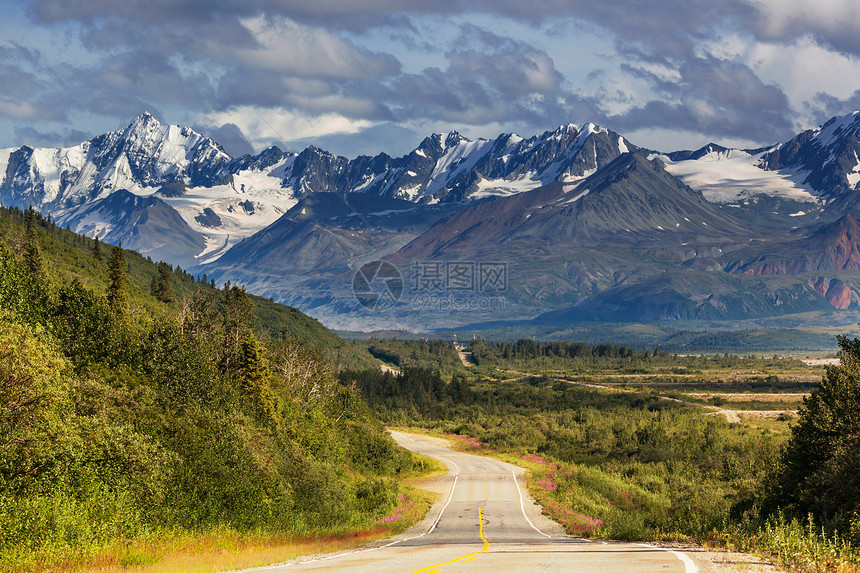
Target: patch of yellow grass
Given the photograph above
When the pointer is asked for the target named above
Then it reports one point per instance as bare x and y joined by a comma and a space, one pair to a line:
213, 552
229, 550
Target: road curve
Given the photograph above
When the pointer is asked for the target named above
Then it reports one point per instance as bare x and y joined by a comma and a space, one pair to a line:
487, 523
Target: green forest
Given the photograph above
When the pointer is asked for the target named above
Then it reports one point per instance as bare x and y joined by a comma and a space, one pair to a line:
633, 466
138, 400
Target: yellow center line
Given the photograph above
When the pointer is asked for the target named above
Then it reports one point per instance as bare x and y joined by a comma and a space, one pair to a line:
470, 556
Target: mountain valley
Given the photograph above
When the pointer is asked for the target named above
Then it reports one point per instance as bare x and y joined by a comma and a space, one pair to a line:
586, 225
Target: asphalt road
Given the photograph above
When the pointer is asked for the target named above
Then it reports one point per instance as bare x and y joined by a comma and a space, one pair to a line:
485, 523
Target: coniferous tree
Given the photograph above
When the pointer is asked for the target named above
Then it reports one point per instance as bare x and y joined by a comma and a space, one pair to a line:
32, 253
820, 467
97, 249
237, 316
162, 285
253, 369
117, 293
252, 364
238, 310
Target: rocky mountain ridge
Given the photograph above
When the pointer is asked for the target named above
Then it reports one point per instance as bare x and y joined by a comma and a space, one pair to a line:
589, 224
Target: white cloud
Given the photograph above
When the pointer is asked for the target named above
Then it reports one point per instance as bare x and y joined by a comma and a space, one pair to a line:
289, 48
20, 110
263, 127
782, 18
805, 69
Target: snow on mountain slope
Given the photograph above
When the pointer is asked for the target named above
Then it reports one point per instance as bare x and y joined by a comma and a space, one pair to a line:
827, 156
734, 175
251, 201
461, 155
506, 187
836, 130
854, 175
51, 164
223, 199
511, 164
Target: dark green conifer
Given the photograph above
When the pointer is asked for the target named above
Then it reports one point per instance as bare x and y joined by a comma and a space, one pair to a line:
252, 364
32, 252
97, 249
162, 285
820, 466
117, 293
254, 372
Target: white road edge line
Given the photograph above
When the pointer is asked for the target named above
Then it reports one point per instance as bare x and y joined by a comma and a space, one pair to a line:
450, 497
523, 506
689, 566
339, 555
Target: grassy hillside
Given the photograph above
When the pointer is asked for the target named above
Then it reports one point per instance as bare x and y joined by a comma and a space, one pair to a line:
69, 256
138, 401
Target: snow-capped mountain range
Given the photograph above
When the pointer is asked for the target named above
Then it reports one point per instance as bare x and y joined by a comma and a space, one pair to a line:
224, 199
174, 194
818, 165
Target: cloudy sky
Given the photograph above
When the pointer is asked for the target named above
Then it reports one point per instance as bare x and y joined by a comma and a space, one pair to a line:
363, 76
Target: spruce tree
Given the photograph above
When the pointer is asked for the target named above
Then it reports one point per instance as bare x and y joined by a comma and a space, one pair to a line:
237, 316
97, 249
252, 364
162, 285
820, 466
32, 252
254, 375
117, 293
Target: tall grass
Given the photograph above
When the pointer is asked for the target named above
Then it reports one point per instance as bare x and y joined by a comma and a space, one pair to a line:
801, 545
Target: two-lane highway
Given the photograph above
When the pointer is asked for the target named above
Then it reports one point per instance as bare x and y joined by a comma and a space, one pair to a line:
486, 523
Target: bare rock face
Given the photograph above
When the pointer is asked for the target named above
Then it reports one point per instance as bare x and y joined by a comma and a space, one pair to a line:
835, 291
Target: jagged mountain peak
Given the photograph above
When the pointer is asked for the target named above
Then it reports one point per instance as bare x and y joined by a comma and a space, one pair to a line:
145, 118
432, 144
840, 126
314, 150
828, 158
574, 129
454, 138
270, 156
146, 128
